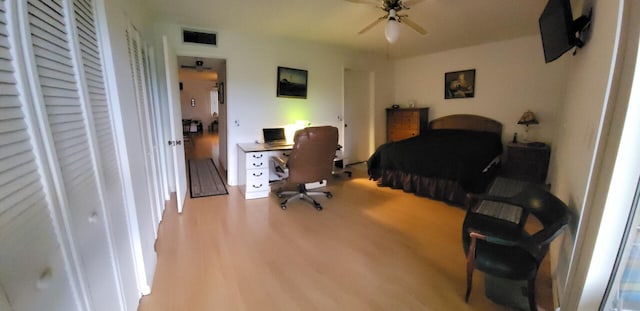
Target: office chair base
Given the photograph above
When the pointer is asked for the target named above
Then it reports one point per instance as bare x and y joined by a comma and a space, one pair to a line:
302, 193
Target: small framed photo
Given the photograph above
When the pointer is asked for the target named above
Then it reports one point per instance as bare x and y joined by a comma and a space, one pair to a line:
459, 84
292, 83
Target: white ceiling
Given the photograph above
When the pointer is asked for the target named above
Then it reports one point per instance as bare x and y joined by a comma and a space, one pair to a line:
450, 23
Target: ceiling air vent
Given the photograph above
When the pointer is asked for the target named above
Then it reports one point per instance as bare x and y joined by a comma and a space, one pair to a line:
200, 37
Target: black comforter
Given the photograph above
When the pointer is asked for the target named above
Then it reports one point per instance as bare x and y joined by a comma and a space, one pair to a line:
459, 156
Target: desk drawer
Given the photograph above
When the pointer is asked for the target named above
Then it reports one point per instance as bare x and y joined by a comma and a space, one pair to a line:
257, 160
257, 180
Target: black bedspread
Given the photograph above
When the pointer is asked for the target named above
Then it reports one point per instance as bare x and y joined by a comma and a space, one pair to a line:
453, 155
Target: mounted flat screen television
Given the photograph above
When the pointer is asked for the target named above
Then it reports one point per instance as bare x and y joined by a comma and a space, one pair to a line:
558, 29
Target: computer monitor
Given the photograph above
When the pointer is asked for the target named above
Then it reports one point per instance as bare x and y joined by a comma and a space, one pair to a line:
274, 135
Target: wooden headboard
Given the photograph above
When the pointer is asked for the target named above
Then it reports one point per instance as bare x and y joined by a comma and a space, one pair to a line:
466, 122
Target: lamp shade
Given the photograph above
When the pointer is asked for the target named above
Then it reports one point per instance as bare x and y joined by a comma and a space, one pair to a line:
392, 31
528, 118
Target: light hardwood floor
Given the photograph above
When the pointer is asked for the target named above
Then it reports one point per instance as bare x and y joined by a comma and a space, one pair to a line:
371, 248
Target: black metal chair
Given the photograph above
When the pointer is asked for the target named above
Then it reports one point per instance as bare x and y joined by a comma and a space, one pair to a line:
504, 248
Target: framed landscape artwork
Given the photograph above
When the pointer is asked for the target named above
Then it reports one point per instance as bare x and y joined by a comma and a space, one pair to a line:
459, 84
292, 82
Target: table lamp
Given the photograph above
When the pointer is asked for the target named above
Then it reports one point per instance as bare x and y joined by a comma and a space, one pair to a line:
527, 118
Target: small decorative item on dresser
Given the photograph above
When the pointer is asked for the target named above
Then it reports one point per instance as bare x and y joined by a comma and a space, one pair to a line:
528, 162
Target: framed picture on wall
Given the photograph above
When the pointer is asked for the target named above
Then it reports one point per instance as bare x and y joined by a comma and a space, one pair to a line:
292, 83
459, 84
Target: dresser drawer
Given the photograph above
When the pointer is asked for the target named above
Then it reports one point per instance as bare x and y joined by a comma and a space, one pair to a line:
405, 122
400, 134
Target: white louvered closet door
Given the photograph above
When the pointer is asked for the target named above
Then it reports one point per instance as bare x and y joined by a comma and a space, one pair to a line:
96, 96
32, 266
147, 225
154, 138
73, 157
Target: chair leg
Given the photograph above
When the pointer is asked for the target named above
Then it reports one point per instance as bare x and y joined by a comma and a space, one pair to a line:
471, 257
532, 294
302, 193
469, 281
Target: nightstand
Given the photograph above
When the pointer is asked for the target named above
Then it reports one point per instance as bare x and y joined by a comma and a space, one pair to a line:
527, 162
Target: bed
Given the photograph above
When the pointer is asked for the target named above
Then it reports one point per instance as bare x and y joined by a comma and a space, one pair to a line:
459, 154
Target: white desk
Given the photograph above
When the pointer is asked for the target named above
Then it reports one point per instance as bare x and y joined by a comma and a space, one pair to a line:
255, 168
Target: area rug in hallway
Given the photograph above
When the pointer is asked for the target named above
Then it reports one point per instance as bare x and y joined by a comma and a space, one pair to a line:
204, 179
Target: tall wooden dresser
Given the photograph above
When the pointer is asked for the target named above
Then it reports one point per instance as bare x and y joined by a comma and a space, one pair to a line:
405, 123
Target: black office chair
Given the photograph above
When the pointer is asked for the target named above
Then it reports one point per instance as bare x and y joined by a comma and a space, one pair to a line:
310, 160
503, 248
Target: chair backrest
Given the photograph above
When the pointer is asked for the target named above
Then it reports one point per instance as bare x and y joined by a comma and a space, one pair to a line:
314, 150
546, 207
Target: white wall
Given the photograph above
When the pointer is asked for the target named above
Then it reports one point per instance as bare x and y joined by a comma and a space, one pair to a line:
511, 77
251, 101
578, 173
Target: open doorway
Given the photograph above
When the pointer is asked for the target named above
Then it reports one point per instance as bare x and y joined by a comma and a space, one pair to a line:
358, 117
202, 103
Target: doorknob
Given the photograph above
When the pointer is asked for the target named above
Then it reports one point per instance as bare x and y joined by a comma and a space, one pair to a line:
93, 218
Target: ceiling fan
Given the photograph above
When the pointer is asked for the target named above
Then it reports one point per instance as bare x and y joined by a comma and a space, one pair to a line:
392, 7
198, 66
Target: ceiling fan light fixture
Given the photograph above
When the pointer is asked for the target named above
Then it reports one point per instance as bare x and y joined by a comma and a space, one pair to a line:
392, 30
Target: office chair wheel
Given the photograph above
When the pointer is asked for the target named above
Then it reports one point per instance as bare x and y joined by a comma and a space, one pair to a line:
283, 205
348, 174
329, 195
317, 206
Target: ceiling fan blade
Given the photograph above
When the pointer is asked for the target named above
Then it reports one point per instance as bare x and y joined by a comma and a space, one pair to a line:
409, 3
412, 24
381, 18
